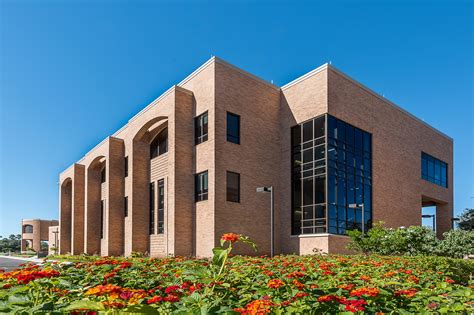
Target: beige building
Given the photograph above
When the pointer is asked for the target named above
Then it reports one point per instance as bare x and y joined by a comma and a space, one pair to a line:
185, 169
35, 231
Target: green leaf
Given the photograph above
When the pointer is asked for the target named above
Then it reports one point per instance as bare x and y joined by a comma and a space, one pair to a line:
19, 300
85, 304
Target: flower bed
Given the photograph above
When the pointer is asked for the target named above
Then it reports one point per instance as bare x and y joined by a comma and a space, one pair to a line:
246, 285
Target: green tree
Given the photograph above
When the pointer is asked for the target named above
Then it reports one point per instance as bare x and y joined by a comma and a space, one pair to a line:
10, 244
466, 220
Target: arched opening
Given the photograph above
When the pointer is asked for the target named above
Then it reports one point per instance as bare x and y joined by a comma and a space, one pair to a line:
27, 228
66, 216
95, 211
149, 142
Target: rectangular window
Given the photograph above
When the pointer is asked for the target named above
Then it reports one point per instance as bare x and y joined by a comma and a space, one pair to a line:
125, 166
161, 206
233, 128
434, 170
102, 218
200, 128
125, 206
233, 187
152, 208
102, 175
201, 186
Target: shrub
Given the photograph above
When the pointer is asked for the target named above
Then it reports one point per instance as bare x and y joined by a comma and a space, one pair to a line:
457, 244
412, 241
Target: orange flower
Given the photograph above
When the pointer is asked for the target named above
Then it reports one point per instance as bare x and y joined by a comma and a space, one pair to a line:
298, 284
365, 291
257, 307
275, 283
230, 237
365, 278
407, 293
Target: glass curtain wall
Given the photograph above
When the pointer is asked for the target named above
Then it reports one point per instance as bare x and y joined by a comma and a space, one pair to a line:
331, 169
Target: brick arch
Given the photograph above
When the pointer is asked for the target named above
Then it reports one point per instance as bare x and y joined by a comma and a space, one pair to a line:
93, 215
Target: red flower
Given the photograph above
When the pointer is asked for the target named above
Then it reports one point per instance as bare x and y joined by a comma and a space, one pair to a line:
354, 305
109, 275
155, 299
230, 237
295, 274
449, 280
171, 289
171, 298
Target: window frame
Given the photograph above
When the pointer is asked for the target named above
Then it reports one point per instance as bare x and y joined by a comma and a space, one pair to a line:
125, 167
430, 174
125, 206
201, 194
151, 207
227, 187
237, 138
161, 207
199, 135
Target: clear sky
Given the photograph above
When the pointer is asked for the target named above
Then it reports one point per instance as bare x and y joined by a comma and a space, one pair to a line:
73, 72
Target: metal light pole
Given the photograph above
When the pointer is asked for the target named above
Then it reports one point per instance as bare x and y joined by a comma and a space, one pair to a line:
359, 205
425, 216
272, 216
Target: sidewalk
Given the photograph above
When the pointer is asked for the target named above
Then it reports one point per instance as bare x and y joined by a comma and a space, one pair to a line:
25, 259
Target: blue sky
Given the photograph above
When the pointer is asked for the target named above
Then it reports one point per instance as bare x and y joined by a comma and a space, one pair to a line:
73, 72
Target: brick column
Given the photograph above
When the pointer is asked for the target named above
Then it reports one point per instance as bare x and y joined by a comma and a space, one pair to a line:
77, 223
115, 197
444, 214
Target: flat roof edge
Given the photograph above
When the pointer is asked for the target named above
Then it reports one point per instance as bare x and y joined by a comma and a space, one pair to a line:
347, 77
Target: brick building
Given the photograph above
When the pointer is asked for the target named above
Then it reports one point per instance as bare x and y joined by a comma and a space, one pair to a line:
184, 170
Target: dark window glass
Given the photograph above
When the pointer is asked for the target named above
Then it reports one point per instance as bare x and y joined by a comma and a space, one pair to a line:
161, 206
319, 127
102, 175
308, 191
320, 190
152, 208
350, 168
200, 128
233, 128
434, 170
308, 131
159, 145
201, 186
125, 206
233, 187
125, 167
28, 228
102, 218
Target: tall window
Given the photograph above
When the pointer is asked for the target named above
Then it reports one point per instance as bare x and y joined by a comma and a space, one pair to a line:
201, 186
102, 175
434, 170
159, 145
200, 128
349, 153
233, 187
161, 206
233, 128
28, 228
102, 218
152, 208
125, 166
125, 206
308, 177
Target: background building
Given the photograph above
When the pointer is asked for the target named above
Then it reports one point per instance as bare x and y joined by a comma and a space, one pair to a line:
33, 232
184, 170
